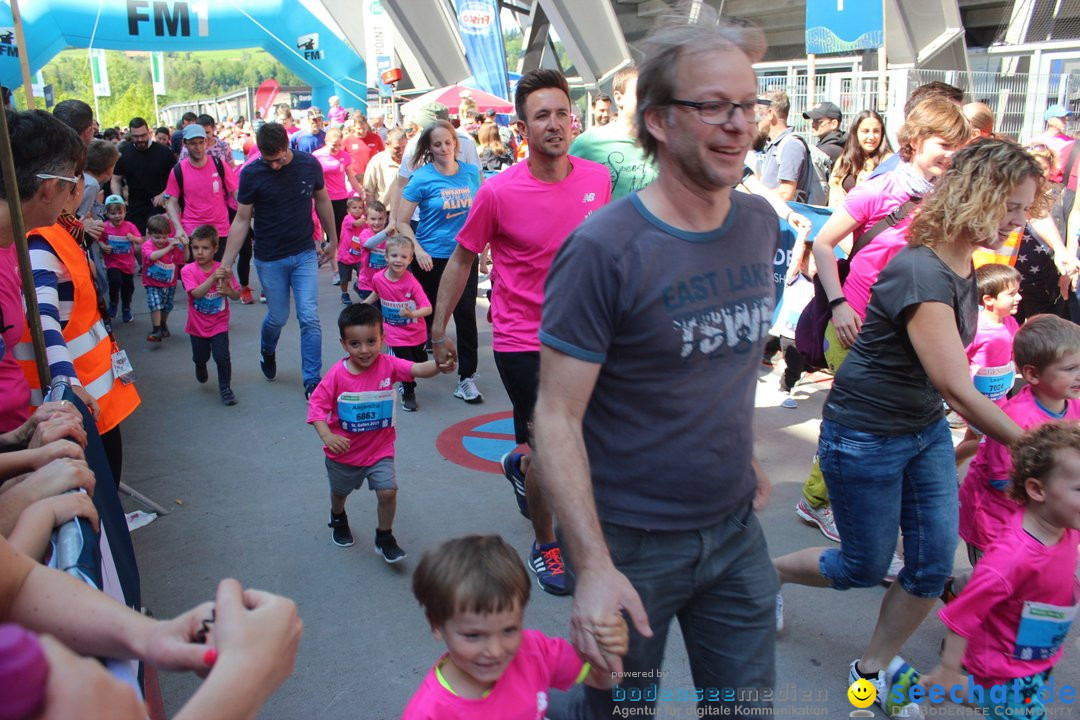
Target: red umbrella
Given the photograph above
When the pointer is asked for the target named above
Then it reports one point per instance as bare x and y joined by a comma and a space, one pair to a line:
450, 96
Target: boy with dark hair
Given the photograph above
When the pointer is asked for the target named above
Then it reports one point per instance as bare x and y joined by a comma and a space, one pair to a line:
352, 410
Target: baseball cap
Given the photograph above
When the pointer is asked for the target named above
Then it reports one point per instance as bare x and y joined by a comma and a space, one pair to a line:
314, 112
428, 114
194, 131
1056, 111
824, 110
115, 200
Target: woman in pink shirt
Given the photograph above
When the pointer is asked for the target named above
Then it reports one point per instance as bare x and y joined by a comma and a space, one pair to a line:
335, 163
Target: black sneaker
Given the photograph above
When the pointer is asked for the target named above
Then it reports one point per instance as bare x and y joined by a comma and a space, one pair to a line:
268, 364
408, 400
227, 397
342, 534
387, 546
309, 388
200, 372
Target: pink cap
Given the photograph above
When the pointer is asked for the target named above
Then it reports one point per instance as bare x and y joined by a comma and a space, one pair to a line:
23, 673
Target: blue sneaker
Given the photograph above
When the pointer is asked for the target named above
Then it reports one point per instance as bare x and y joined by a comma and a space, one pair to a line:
511, 467
547, 564
112, 310
125, 315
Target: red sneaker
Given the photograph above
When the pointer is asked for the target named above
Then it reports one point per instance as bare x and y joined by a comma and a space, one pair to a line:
245, 296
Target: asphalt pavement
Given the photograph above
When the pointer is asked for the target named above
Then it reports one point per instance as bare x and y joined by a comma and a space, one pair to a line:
248, 498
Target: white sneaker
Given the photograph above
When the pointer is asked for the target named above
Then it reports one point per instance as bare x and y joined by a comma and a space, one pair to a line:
789, 402
337, 279
467, 391
895, 566
898, 676
822, 517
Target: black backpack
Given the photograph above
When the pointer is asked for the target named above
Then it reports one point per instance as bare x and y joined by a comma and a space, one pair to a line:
179, 175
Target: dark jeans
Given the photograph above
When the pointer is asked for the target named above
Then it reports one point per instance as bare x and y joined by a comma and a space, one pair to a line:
218, 346
464, 314
121, 287
243, 264
416, 353
719, 583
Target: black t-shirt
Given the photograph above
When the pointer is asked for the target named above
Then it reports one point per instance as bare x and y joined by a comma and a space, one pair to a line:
281, 205
881, 387
145, 172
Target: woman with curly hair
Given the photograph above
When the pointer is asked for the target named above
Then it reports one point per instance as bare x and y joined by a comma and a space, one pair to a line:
885, 447
866, 147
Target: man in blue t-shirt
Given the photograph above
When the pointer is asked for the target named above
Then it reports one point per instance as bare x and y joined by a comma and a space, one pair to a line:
314, 137
278, 190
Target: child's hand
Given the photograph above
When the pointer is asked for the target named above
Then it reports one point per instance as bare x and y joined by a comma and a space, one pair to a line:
131, 238
222, 273
408, 313
70, 505
943, 676
54, 451
612, 637
106, 248
358, 223
337, 444
391, 231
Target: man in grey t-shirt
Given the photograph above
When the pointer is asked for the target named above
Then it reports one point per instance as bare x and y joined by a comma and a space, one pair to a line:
783, 163
655, 313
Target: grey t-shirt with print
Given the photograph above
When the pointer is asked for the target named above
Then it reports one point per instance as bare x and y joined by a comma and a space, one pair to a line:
882, 387
677, 320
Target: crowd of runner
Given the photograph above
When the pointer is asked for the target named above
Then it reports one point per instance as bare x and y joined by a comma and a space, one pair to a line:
630, 272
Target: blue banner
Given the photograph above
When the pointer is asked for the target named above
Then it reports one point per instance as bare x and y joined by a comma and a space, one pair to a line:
841, 26
481, 32
285, 28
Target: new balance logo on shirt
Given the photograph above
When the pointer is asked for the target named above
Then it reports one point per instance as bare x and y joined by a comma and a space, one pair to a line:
589, 197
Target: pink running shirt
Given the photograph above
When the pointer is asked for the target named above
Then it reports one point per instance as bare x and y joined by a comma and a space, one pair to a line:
361, 407
373, 261
1017, 608
393, 297
209, 315
868, 203
984, 503
334, 169
123, 252
14, 388
204, 194
526, 221
990, 357
350, 249
163, 272
520, 694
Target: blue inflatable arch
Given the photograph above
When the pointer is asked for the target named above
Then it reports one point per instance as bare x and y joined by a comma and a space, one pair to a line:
284, 28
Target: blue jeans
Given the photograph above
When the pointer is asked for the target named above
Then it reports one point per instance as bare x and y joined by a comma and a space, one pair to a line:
720, 585
298, 273
879, 485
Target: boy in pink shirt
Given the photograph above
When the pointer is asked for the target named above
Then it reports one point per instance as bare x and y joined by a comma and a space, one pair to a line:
990, 355
209, 286
352, 410
374, 239
1047, 352
474, 590
162, 257
118, 240
1008, 626
350, 253
403, 304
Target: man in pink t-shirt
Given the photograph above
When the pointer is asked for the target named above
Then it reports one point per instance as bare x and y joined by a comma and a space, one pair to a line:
208, 189
525, 213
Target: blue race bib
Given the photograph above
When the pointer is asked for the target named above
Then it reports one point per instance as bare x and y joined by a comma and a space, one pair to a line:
210, 305
377, 259
391, 312
995, 382
120, 244
1042, 630
161, 273
364, 411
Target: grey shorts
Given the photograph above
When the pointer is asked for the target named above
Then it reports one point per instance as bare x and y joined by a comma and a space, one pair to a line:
346, 478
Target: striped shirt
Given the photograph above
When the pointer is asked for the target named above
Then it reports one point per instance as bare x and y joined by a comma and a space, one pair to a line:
55, 295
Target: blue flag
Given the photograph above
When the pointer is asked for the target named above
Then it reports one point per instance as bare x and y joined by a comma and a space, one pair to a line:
481, 31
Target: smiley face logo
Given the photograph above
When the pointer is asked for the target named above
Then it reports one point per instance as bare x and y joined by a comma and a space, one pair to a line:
862, 693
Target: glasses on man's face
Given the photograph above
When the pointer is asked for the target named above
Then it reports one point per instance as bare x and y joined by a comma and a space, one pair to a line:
74, 180
719, 112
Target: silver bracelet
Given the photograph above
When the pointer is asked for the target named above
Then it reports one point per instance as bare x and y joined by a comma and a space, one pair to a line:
439, 342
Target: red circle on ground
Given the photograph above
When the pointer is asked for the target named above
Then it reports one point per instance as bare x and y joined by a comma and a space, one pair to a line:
451, 442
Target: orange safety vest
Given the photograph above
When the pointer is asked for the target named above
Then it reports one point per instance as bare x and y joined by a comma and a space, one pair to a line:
87, 340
